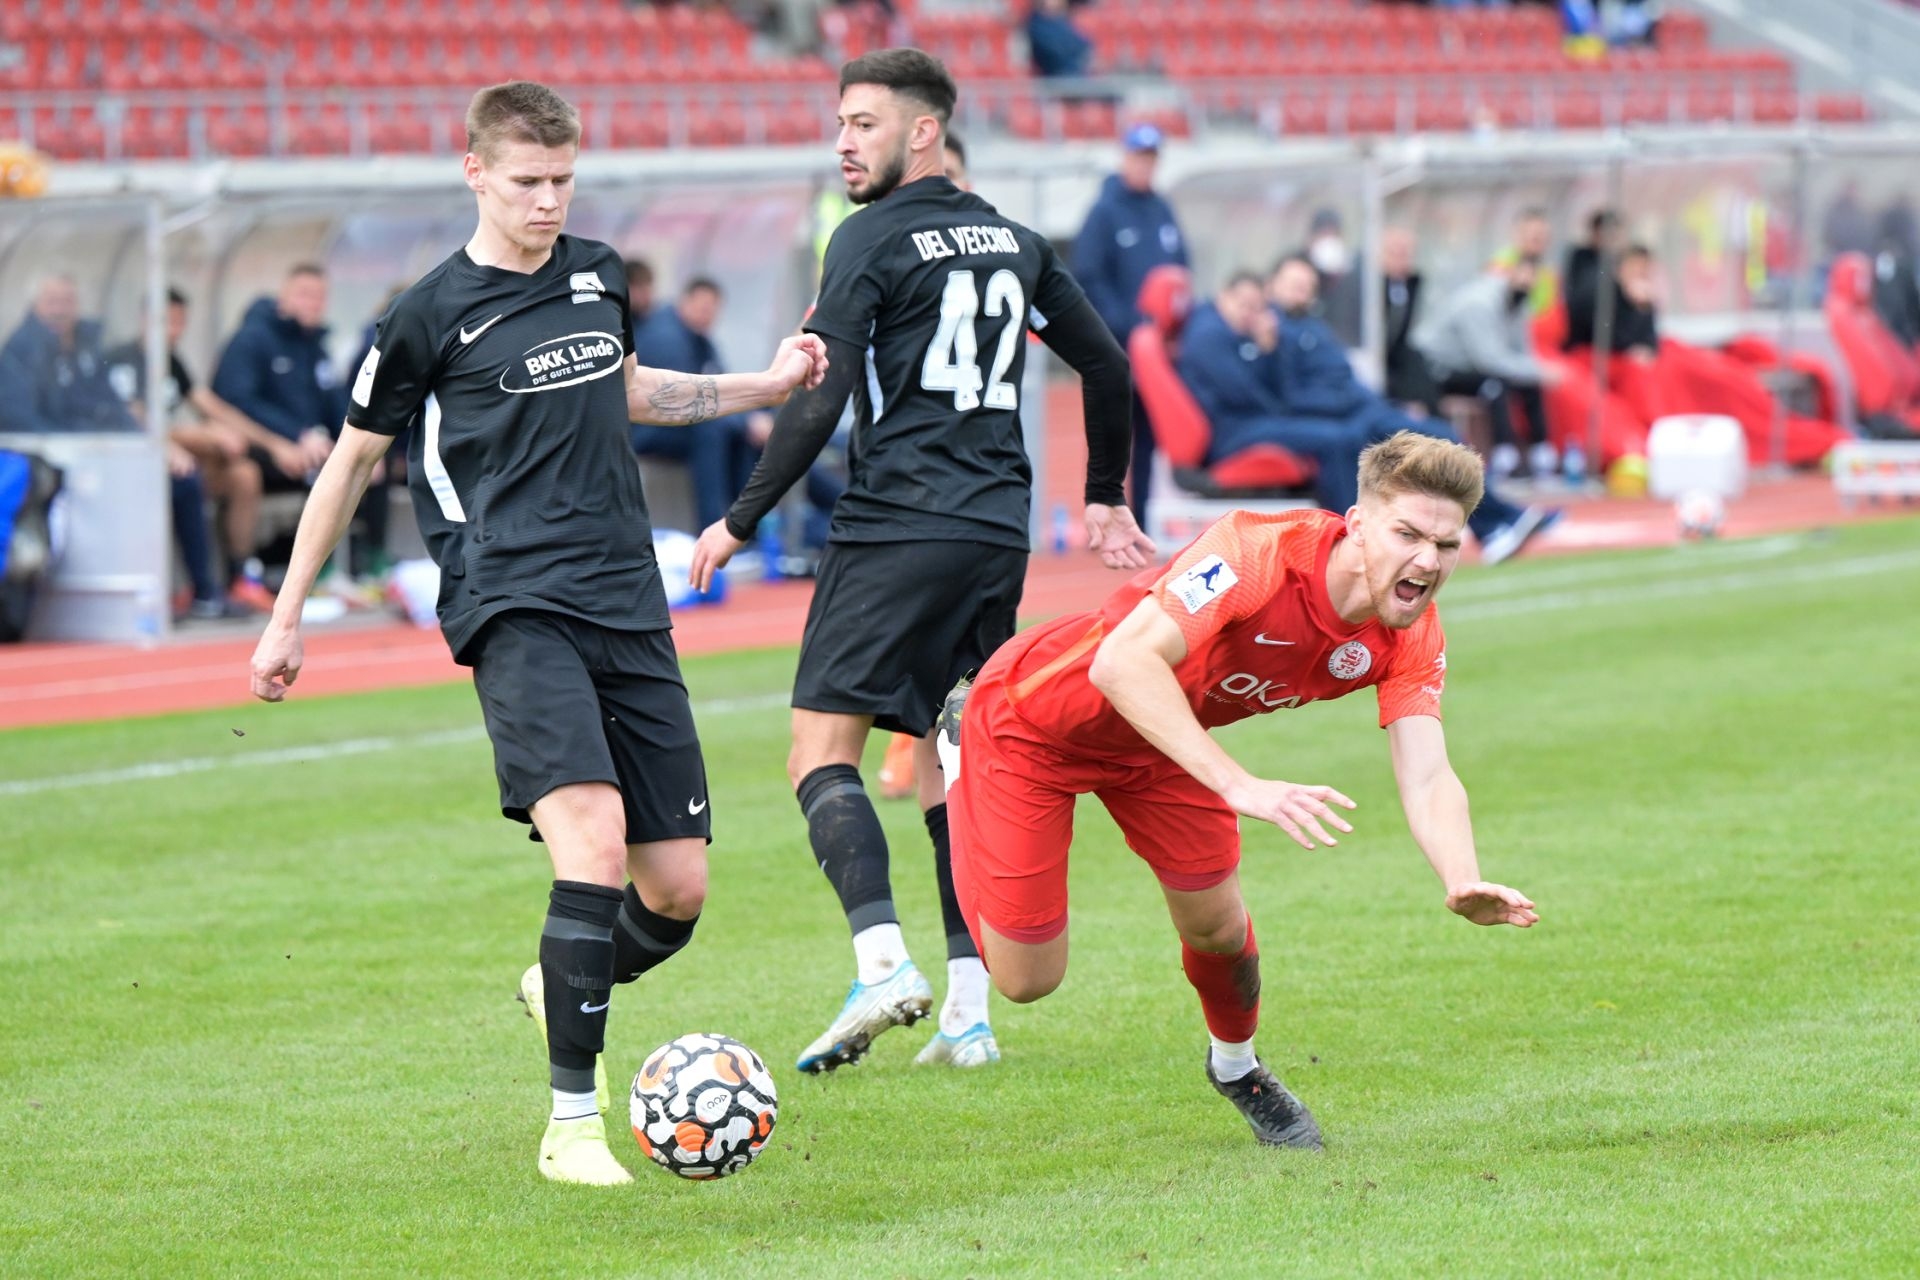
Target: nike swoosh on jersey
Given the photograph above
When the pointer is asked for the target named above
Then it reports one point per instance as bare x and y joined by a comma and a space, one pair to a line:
467, 337
1262, 639
696, 808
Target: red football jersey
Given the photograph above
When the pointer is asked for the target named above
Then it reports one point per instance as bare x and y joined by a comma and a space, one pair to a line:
1250, 596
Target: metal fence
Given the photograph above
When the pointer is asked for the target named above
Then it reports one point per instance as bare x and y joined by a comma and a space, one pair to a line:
1743, 223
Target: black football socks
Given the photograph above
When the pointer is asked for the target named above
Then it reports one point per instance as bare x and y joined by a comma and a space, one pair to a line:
959, 941
642, 938
849, 844
576, 971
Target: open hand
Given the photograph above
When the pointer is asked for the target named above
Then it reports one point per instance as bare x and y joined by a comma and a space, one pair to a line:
1485, 903
1295, 809
1116, 539
715, 547
276, 662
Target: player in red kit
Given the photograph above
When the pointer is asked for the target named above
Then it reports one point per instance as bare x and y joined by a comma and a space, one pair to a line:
1261, 612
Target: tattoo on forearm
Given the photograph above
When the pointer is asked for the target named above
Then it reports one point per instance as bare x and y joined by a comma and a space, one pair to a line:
687, 400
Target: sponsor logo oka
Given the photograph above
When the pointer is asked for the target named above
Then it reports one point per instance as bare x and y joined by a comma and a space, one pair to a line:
562, 362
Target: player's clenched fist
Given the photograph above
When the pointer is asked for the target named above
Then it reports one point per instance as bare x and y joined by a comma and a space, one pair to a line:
800, 362
1295, 809
276, 663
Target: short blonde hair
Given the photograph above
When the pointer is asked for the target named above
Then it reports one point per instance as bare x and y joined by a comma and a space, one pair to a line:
519, 111
1411, 463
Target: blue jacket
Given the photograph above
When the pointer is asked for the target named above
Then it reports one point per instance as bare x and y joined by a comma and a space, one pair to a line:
1126, 235
47, 388
276, 371
1309, 372
1225, 371
1059, 48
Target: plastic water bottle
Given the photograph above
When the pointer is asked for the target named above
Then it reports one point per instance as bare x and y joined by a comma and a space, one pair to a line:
1573, 464
1059, 528
146, 617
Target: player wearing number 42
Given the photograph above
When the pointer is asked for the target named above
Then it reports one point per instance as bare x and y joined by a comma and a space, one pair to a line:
926, 297
1260, 613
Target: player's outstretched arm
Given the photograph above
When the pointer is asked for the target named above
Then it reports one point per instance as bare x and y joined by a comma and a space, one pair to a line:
337, 491
1436, 808
1134, 668
801, 430
661, 397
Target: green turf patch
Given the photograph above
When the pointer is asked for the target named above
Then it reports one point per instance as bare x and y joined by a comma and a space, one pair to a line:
262, 1019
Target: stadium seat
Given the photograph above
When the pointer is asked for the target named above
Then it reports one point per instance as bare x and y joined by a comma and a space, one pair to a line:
1181, 430
1885, 375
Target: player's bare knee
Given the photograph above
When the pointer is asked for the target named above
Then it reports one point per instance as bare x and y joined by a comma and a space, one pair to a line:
1026, 986
678, 896
1217, 937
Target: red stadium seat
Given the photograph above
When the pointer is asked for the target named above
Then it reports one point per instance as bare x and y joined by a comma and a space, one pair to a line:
1180, 428
1885, 375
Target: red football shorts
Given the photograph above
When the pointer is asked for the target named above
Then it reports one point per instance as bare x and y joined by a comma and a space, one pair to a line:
1011, 816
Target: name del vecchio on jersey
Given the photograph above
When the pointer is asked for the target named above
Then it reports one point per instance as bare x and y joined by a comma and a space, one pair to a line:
561, 362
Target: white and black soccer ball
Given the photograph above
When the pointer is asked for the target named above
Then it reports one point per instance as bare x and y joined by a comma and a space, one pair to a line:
1699, 513
703, 1106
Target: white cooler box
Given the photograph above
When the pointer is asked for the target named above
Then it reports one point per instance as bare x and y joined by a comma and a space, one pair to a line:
1696, 452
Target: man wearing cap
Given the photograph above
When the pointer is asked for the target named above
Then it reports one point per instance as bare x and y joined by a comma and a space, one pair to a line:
1129, 231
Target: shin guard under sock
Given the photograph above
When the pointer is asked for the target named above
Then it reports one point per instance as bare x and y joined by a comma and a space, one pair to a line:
848, 843
1229, 987
576, 971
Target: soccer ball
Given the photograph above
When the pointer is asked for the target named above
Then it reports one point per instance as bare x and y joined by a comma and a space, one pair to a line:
1700, 513
703, 1106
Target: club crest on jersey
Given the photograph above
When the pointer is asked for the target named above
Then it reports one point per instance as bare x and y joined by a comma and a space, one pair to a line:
561, 362
1203, 583
1350, 661
586, 286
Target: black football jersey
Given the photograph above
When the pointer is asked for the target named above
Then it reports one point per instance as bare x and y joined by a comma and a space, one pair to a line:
940, 290
523, 479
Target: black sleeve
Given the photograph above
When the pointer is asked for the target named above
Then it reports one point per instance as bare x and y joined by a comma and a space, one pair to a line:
1083, 340
850, 285
800, 432
398, 372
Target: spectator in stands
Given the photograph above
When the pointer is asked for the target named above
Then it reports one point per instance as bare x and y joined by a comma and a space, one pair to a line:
1533, 238
276, 371
1338, 269
1224, 352
719, 453
208, 456
1229, 355
1409, 381
1636, 328
1900, 227
1588, 266
1848, 227
639, 293
1896, 292
1481, 344
954, 161
1129, 231
53, 374
1058, 47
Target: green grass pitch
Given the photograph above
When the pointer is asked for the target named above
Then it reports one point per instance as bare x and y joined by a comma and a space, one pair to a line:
258, 1016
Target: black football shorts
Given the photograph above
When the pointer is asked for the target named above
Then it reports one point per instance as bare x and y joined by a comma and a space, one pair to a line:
567, 700
894, 625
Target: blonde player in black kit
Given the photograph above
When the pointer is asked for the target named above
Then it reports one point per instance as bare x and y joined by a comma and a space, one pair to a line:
516, 359
926, 297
